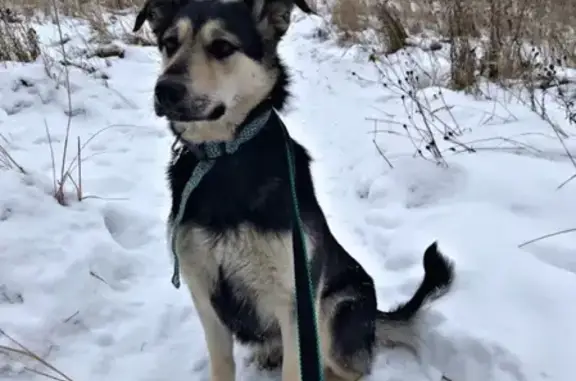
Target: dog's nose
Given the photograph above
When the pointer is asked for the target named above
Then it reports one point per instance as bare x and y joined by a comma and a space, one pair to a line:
169, 93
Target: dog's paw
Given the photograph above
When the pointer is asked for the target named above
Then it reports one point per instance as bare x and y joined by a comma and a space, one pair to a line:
265, 358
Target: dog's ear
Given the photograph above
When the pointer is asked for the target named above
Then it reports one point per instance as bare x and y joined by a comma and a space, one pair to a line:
304, 7
142, 16
159, 14
273, 16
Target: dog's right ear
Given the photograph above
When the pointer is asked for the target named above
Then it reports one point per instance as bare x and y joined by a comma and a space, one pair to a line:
273, 16
159, 14
142, 16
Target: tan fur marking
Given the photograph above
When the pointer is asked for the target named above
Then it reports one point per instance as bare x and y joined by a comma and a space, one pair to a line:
184, 28
218, 339
238, 82
211, 30
183, 31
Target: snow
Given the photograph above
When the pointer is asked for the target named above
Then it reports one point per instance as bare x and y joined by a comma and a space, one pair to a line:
87, 286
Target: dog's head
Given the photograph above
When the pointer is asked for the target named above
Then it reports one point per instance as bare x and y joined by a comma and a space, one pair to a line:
219, 58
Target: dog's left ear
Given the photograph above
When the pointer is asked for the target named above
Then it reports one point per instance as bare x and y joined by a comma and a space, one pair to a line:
304, 7
141, 17
159, 14
274, 15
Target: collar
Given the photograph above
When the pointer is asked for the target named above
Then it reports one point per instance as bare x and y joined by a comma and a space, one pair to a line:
251, 126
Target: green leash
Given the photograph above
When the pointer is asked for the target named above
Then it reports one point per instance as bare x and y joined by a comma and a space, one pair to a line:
308, 340
309, 348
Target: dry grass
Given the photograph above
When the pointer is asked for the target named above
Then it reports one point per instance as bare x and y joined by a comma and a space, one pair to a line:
78, 8
31, 360
19, 43
491, 38
16, 17
6, 159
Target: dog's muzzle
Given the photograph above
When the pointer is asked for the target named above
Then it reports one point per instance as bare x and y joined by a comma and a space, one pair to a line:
169, 95
172, 100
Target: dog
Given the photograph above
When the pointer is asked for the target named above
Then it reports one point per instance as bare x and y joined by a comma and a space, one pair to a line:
221, 70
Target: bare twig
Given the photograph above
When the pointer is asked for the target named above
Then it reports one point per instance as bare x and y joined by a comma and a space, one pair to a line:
52, 157
99, 278
79, 190
24, 351
376, 144
573, 230
60, 190
566, 181
10, 160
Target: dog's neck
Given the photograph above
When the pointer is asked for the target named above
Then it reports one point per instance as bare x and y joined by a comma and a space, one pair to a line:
222, 130
219, 130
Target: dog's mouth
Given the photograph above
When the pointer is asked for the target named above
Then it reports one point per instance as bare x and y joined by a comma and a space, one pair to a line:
185, 114
217, 112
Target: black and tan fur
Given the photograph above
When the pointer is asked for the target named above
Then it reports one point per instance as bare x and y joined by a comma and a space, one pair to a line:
221, 67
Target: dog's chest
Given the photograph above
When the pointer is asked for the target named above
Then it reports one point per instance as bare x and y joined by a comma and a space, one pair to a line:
259, 262
246, 274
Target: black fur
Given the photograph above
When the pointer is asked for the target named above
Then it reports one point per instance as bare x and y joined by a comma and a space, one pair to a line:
237, 313
438, 274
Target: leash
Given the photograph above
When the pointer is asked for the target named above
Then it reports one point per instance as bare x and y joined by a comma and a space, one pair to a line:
308, 340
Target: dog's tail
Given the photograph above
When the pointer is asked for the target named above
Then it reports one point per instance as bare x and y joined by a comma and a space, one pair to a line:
396, 327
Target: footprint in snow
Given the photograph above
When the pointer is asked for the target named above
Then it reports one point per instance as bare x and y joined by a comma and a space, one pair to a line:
201, 366
399, 262
426, 184
470, 356
128, 228
389, 217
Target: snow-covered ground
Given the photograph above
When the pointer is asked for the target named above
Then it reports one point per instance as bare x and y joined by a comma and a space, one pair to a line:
87, 286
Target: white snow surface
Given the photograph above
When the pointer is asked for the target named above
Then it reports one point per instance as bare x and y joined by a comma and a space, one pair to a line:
87, 286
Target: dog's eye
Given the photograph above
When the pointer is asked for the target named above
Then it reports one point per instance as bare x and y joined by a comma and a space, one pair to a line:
221, 49
170, 44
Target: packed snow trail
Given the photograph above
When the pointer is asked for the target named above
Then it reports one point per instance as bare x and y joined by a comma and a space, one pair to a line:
87, 286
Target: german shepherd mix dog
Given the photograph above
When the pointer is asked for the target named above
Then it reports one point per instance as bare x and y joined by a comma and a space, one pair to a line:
220, 72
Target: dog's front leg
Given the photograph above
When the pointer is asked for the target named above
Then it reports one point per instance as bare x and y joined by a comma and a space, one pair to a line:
219, 341
290, 365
